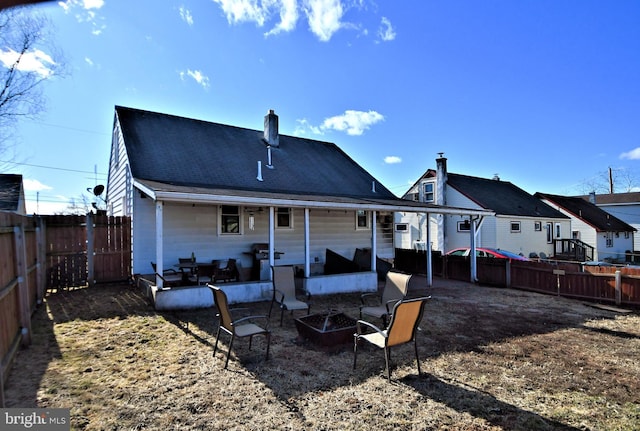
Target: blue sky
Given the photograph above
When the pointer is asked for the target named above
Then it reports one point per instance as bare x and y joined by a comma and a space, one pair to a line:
544, 93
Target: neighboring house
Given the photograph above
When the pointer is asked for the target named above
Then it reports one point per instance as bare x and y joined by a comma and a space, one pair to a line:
625, 206
12, 194
608, 236
218, 192
522, 223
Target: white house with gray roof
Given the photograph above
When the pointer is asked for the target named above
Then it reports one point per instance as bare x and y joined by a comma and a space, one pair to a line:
216, 191
522, 223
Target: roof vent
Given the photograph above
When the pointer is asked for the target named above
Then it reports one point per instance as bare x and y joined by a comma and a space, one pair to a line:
496, 177
259, 177
271, 129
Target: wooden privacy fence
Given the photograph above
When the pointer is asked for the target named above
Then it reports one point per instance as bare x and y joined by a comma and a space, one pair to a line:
88, 249
41, 253
611, 284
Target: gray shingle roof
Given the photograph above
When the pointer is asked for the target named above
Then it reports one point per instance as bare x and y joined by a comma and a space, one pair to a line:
502, 197
10, 186
601, 220
188, 152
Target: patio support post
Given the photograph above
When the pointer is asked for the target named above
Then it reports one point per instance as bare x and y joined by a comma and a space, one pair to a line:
472, 251
159, 240
428, 249
374, 240
307, 255
271, 237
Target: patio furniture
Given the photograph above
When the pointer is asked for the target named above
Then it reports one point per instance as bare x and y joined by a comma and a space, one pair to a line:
169, 277
402, 329
228, 272
242, 327
206, 273
381, 306
284, 291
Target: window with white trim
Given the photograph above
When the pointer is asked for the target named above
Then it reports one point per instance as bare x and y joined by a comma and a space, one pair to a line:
464, 226
515, 227
230, 220
429, 192
284, 219
402, 227
558, 230
362, 219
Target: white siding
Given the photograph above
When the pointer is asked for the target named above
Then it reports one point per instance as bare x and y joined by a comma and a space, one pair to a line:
119, 188
629, 213
193, 229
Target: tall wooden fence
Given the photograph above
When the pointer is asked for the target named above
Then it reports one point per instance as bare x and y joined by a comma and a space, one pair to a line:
609, 284
53, 252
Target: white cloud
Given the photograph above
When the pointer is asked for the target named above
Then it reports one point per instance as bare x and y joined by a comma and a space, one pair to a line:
353, 122
34, 61
244, 10
386, 32
303, 127
186, 16
288, 17
197, 76
83, 4
34, 185
392, 160
631, 155
85, 11
88, 61
324, 17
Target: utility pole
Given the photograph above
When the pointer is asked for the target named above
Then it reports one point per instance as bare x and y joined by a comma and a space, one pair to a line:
610, 181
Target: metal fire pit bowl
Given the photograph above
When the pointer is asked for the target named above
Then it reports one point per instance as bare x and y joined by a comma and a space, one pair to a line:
328, 330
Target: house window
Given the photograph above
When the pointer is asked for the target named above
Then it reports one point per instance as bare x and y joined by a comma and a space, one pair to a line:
429, 194
515, 227
362, 219
283, 218
549, 228
229, 219
626, 235
558, 230
575, 234
402, 227
609, 240
464, 226
537, 226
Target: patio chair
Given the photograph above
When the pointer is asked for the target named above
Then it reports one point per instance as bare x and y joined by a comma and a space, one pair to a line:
169, 277
206, 273
242, 327
381, 306
284, 291
402, 329
229, 272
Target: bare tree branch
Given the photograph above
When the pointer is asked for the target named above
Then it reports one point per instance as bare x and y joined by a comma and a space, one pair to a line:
27, 60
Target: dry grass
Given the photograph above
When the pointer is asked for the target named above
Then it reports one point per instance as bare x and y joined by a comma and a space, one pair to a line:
491, 359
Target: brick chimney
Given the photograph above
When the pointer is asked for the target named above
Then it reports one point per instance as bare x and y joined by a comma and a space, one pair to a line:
271, 129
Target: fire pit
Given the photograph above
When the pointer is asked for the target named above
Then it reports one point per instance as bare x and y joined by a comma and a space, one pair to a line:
328, 330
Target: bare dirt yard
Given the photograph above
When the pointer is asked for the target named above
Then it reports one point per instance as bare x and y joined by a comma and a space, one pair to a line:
492, 359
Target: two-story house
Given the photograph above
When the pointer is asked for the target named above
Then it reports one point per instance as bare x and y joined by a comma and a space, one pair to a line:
522, 223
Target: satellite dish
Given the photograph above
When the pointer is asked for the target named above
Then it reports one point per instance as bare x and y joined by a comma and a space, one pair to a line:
97, 190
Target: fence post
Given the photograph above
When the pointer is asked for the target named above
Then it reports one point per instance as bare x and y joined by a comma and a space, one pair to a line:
508, 273
90, 251
618, 287
41, 256
23, 285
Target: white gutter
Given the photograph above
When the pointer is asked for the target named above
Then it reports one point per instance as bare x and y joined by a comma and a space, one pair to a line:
260, 201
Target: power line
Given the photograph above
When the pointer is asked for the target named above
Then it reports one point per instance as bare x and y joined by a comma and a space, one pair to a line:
52, 167
71, 128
